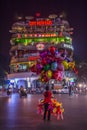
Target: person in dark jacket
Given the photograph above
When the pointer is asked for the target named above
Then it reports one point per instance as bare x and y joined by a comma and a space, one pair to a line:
47, 99
70, 90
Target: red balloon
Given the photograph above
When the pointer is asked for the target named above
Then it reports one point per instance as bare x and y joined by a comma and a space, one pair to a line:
60, 78
55, 74
44, 79
44, 61
58, 75
52, 49
33, 68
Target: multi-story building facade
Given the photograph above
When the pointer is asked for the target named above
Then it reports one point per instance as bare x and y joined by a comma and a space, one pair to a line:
29, 37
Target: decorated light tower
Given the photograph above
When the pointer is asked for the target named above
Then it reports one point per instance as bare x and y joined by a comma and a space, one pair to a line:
41, 50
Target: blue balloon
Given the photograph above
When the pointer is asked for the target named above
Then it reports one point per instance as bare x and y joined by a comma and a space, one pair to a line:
54, 66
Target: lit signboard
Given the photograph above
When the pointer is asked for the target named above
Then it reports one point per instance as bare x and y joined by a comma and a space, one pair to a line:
37, 35
68, 46
40, 23
40, 46
32, 58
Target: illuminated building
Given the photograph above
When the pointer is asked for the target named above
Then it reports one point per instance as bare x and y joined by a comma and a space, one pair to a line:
29, 37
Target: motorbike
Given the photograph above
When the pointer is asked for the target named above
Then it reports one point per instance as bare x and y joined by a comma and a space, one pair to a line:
23, 93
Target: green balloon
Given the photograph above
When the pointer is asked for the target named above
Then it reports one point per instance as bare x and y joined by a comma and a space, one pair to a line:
46, 67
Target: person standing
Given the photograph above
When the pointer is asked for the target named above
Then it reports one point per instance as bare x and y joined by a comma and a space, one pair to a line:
70, 90
47, 99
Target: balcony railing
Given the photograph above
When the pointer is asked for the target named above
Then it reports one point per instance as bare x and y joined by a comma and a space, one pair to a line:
15, 60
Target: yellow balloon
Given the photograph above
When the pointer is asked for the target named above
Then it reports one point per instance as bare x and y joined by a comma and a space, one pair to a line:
49, 73
54, 110
72, 64
65, 63
62, 109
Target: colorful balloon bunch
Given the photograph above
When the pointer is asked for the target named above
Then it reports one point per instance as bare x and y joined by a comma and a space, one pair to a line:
55, 107
52, 64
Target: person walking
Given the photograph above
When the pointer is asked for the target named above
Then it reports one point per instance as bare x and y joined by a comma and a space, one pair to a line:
47, 99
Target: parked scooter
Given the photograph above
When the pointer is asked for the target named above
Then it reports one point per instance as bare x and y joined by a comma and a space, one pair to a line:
22, 92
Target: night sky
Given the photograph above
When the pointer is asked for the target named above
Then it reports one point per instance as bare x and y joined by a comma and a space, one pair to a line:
74, 9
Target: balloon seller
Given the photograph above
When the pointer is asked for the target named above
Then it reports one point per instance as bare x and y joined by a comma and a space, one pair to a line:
47, 99
49, 105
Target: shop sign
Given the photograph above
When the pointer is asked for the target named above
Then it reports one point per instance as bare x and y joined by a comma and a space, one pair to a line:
40, 23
